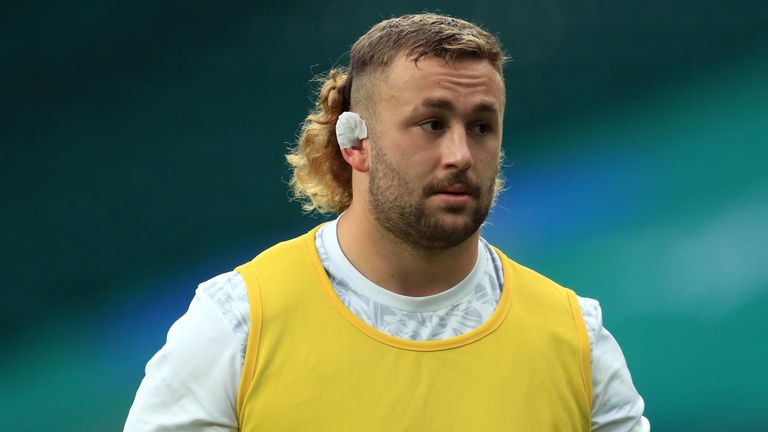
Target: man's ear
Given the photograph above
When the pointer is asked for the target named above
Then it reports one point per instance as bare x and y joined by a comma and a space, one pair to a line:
358, 156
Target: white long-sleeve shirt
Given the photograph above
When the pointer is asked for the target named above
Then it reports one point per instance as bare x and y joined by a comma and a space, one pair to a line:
192, 382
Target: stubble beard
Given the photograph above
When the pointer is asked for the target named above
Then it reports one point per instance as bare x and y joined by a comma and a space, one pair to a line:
401, 210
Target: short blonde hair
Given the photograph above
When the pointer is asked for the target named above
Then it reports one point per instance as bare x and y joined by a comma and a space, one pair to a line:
321, 178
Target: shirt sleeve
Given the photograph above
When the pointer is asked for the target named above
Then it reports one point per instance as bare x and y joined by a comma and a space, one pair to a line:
616, 405
191, 383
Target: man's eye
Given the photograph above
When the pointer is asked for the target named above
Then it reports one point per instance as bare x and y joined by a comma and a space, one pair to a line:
433, 126
480, 128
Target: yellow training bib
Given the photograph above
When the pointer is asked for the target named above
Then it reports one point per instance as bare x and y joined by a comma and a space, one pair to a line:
312, 365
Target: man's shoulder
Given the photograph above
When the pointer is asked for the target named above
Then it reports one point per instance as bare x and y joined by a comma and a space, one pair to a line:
526, 274
283, 249
290, 262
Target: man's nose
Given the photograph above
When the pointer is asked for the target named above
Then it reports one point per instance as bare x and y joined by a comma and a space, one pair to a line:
456, 151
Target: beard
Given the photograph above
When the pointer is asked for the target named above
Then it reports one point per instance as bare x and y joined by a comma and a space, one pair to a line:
401, 208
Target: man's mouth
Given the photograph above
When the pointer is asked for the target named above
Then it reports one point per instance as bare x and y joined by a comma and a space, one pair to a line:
457, 189
456, 195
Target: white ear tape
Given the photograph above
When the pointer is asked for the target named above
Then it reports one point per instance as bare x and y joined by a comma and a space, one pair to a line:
350, 129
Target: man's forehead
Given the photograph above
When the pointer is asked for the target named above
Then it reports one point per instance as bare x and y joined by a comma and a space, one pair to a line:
421, 82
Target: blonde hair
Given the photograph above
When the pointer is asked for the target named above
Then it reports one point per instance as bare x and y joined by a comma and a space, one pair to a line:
321, 178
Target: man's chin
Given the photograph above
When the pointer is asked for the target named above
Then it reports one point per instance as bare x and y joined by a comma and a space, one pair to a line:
449, 230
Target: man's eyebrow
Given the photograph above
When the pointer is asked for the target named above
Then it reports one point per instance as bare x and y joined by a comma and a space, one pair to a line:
438, 104
485, 107
446, 105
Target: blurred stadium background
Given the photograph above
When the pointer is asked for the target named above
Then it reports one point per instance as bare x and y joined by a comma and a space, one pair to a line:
142, 153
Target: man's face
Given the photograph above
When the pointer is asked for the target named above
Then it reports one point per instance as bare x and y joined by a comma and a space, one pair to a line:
435, 149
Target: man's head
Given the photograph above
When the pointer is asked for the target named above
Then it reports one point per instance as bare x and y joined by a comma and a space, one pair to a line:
431, 89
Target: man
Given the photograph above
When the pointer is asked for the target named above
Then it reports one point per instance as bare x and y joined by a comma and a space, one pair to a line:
397, 315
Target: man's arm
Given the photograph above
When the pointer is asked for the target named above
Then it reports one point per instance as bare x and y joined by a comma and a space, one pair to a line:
191, 383
616, 405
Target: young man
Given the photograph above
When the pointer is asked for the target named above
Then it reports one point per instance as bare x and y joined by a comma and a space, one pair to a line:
397, 315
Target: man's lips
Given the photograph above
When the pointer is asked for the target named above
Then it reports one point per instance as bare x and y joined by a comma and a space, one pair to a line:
456, 195
453, 197
457, 189
456, 186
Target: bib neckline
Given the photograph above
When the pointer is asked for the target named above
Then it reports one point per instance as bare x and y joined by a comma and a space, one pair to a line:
480, 332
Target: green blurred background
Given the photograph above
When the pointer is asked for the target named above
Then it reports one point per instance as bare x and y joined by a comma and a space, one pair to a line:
142, 153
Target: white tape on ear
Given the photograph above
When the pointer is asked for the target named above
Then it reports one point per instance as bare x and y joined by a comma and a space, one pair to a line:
350, 129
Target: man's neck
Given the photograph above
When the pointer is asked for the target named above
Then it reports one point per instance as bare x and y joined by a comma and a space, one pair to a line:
392, 264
